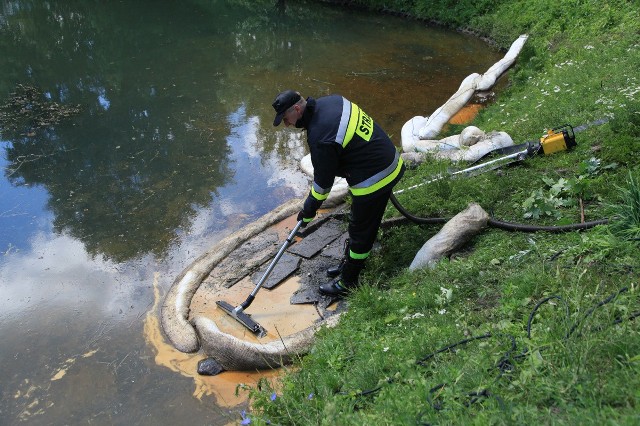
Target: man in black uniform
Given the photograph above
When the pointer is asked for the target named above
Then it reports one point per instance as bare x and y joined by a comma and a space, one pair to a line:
344, 141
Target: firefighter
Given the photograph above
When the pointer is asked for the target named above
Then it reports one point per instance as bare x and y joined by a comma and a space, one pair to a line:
344, 141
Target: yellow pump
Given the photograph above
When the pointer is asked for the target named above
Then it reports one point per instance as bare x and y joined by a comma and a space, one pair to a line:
558, 139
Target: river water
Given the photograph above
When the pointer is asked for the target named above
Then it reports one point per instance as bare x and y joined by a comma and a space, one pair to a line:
137, 134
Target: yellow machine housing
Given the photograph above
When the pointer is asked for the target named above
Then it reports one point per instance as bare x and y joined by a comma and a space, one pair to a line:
558, 139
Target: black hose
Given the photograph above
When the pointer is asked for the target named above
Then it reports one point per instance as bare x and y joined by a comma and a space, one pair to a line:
495, 223
518, 227
415, 219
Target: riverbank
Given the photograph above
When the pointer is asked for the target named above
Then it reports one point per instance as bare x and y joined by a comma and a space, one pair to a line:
548, 321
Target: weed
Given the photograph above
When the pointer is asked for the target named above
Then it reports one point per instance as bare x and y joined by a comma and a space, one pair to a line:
625, 214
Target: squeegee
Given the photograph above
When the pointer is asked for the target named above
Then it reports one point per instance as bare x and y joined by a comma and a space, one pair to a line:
238, 311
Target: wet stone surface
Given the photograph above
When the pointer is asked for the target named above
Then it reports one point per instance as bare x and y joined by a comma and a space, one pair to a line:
321, 247
209, 367
335, 250
313, 273
286, 266
318, 240
245, 260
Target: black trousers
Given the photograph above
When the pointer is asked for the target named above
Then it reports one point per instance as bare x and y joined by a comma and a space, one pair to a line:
366, 216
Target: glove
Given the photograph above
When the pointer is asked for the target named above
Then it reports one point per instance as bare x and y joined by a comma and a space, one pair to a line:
305, 217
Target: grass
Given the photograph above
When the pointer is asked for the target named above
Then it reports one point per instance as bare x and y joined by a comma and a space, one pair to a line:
572, 359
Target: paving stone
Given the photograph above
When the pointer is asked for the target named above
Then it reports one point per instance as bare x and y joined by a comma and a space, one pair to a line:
286, 266
335, 250
318, 240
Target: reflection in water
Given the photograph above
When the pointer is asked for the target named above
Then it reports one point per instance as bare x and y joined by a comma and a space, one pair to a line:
72, 347
172, 149
121, 192
159, 102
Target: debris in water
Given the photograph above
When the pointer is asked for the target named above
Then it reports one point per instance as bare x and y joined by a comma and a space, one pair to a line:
28, 110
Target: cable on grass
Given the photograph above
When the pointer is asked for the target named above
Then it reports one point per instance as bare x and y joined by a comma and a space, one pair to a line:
504, 364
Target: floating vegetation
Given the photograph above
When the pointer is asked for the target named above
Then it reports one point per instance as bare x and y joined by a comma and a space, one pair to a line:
380, 72
27, 110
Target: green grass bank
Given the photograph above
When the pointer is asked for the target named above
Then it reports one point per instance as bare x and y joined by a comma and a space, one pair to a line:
550, 319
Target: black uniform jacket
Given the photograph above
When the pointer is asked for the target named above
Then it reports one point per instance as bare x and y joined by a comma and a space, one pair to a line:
344, 141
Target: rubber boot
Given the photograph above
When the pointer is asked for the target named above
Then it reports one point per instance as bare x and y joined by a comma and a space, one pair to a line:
334, 271
348, 280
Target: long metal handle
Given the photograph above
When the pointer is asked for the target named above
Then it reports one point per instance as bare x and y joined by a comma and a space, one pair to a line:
489, 165
272, 265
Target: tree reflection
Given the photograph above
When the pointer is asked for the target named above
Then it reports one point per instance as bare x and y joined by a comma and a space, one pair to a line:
156, 84
121, 199
160, 83
131, 170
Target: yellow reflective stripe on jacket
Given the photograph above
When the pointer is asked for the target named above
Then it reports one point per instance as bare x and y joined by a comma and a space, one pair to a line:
380, 179
319, 193
354, 255
353, 121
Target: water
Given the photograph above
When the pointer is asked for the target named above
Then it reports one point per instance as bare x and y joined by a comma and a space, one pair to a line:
172, 149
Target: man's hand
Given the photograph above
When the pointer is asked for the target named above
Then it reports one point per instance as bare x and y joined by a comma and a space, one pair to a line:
305, 217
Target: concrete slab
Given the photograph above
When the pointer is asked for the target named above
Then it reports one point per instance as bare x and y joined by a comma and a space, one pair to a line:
318, 240
286, 266
335, 249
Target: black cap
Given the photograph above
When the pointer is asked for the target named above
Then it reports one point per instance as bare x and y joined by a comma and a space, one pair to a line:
283, 102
